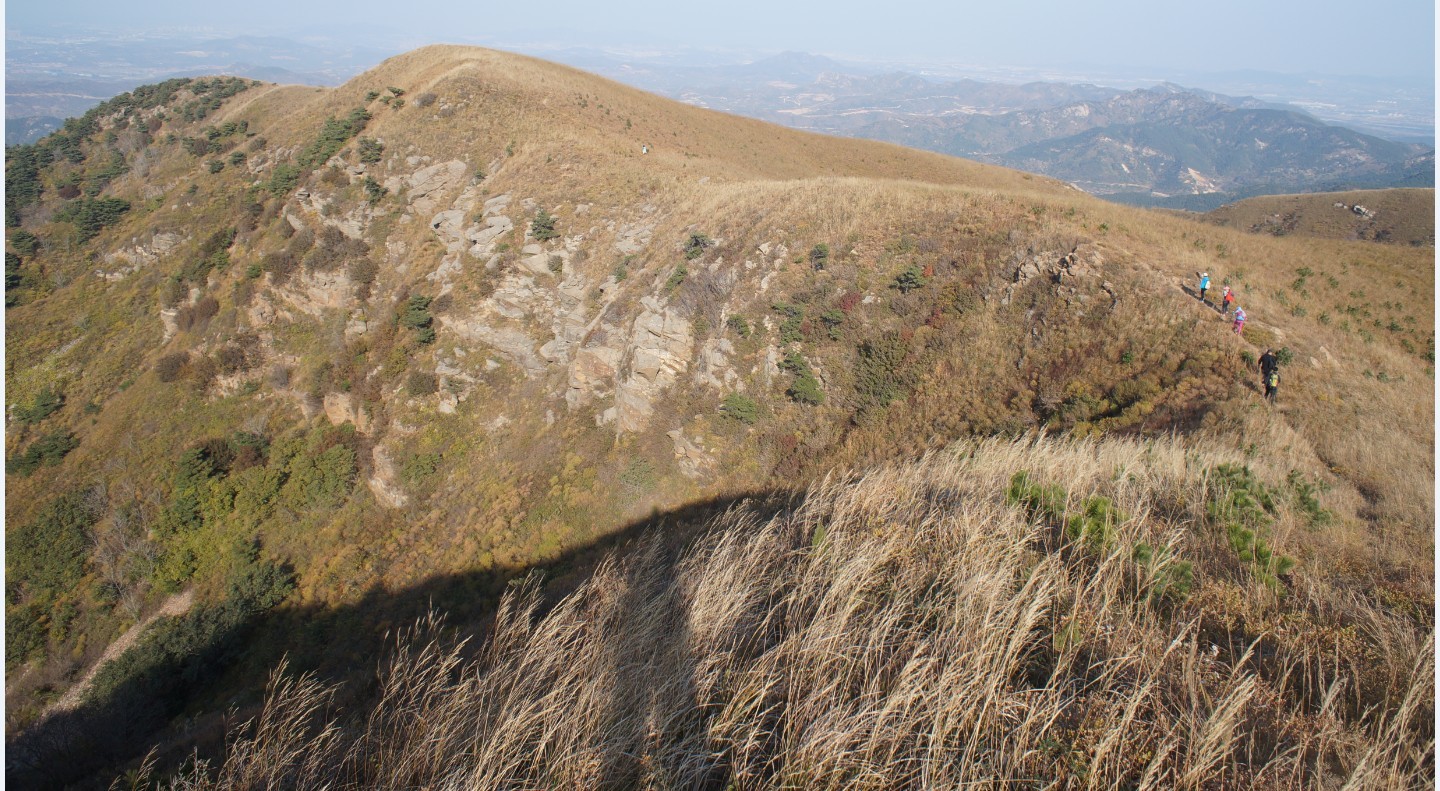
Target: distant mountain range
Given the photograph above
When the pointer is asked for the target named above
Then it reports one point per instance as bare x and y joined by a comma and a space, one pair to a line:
1165, 145
51, 78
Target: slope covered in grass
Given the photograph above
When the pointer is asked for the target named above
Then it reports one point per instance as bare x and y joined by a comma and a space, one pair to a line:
1400, 216
999, 613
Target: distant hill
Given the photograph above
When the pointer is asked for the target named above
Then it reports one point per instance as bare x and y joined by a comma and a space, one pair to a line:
1181, 144
1166, 146
29, 129
1398, 216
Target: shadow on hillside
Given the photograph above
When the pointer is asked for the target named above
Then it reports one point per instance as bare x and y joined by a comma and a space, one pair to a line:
173, 708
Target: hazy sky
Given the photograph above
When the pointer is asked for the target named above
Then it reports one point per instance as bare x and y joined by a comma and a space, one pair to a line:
1384, 38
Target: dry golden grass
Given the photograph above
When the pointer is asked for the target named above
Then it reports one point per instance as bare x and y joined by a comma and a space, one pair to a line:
906, 629
1402, 216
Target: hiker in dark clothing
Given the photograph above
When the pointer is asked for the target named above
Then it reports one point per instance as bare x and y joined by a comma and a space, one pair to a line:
1269, 373
1268, 362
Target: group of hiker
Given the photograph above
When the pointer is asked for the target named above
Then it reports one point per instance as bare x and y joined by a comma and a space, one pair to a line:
1227, 302
1269, 364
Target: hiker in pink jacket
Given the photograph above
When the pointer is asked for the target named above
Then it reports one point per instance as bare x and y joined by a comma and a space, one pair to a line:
1239, 319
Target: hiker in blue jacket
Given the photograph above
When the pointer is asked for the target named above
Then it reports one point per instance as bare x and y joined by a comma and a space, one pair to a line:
1204, 285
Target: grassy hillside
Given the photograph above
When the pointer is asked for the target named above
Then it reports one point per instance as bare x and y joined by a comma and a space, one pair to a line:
1038, 612
326, 358
1405, 217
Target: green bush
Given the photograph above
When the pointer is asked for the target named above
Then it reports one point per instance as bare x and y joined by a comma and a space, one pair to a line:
333, 135
879, 371
543, 226
416, 316
421, 383
677, 277
374, 191
639, 476
24, 242
45, 558
416, 469
45, 403
738, 325
696, 246
790, 326
820, 255
48, 450
1037, 500
912, 278
806, 388
743, 408
283, 179
1242, 506
1094, 526
1170, 580
92, 215
370, 150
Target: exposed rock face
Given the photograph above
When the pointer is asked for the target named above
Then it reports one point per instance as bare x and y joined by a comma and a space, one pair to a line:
713, 367
313, 293
382, 479
426, 187
340, 408
129, 260
593, 373
660, 346
1067, 271
690, 456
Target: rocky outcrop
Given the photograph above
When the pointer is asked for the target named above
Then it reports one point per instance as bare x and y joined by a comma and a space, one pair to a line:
382, 479
425, 188
128, 260
340, 408
691, 457
660, 346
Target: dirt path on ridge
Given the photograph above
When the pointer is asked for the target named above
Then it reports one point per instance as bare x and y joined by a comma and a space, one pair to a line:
179, 604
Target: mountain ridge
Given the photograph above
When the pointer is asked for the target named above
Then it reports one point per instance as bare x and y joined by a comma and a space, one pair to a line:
470, 312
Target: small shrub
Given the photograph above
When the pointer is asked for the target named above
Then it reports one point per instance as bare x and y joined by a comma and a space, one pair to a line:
820, 256
420, 384
48, 450
542, 228
912, 278
740, 407
196, 316
738, 325
696, 246
45, 403
215, 166
169, 367
677, 277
